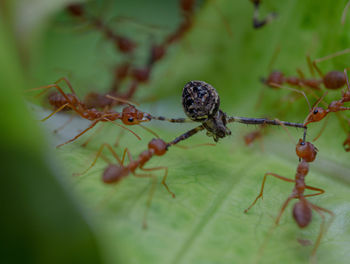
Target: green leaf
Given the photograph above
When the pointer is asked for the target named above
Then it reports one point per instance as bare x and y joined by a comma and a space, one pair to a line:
213, 185
41, 219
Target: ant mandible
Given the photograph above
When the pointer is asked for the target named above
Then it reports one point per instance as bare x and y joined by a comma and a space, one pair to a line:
302, 210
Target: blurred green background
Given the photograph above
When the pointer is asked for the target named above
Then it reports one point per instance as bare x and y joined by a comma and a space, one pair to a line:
50, 216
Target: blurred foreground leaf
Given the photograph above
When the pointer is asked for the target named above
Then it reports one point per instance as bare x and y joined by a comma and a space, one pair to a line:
206, 223
40, 218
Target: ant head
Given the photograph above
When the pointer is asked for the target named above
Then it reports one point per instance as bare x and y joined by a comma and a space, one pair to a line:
317, 114
132, 116
302, 213
114, 173
275, 77
158, 146
334, 80
200, 100
306, 151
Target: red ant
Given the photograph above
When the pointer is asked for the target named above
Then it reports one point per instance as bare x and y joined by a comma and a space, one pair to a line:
156, 147
277, 78
318, 113
260, 23
302, 210
333, 80
130, 114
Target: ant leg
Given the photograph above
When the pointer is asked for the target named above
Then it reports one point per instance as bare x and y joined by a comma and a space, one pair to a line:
301, 74
126, 151
320, 191
346, 77
92, 136
64, 79
54, 112
323, 228
150, 195
322, 128
309, 64
80, 134
263, 185
317, 69
283, 208
330, 56
164, 177
99, 153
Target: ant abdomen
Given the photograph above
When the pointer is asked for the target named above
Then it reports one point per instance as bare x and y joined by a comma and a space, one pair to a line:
200, 100
334, 80
114, 173
302, 213
57, 100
